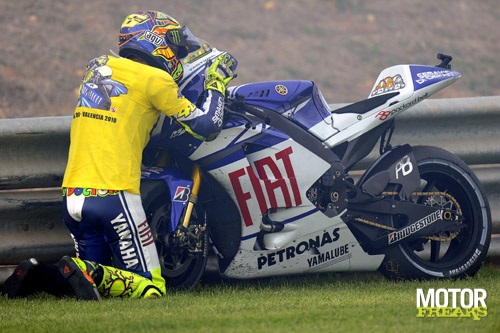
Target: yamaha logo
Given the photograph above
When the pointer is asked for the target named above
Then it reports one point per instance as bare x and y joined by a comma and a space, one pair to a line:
281, 89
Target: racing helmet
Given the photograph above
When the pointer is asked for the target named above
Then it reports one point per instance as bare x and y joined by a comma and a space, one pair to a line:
158, 39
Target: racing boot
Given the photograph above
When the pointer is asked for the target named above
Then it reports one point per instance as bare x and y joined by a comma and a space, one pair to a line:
22, 282
79, 273
31, 276
116, 282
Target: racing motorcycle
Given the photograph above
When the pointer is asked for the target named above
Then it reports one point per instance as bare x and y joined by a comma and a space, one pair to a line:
273, 194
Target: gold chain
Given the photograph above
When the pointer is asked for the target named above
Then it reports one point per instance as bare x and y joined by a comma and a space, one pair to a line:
416, 194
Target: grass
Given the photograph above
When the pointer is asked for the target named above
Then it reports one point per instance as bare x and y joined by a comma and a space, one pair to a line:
353, 302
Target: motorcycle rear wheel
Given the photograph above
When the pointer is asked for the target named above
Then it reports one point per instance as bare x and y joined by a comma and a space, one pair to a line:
463, 254
181, 268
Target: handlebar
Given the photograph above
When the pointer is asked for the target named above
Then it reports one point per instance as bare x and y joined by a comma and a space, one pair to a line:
237, 107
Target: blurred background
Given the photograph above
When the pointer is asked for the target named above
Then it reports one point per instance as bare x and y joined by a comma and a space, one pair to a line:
339, 44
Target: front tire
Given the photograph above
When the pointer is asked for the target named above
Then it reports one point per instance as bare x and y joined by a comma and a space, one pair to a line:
445, 255
181, 267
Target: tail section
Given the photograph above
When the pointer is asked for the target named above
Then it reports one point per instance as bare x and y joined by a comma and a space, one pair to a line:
396, 89
409, 80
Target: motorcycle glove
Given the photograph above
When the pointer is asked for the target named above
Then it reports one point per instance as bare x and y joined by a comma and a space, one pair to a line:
220, 73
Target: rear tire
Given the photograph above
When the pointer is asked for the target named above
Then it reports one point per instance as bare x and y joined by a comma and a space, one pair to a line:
441, 171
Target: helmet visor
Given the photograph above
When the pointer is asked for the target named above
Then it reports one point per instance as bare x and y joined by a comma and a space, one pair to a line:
182, 42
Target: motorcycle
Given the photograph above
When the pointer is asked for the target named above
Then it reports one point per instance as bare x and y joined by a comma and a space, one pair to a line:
272, 194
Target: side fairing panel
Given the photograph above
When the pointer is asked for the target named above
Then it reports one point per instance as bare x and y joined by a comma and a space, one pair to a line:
320, 244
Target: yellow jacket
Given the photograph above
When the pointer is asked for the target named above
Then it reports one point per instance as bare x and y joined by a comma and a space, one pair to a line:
120, 102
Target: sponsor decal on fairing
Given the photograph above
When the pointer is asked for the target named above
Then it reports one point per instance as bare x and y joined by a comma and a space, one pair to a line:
282, 255
389, 84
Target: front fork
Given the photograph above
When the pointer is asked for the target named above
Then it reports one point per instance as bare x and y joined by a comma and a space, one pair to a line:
193, 197
192, 235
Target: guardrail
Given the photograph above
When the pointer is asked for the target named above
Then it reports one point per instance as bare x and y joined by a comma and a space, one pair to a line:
33, 155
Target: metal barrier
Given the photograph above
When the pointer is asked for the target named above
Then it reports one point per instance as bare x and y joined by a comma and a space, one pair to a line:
33, 155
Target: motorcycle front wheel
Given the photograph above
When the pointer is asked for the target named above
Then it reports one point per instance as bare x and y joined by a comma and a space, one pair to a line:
448, 182
182, 263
